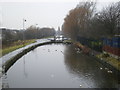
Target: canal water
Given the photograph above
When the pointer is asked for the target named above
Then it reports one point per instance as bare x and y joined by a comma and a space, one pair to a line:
58, 66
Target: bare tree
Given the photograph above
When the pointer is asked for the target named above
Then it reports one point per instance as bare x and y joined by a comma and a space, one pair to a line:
109, 18
34, 32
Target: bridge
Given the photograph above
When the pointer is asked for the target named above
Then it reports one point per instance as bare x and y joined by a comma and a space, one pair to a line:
58, 38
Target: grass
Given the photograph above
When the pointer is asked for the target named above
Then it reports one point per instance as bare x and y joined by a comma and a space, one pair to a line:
111, 60
15, 45
69, 41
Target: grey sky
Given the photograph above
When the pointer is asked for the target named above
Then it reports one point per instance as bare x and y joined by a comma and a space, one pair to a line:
50, 14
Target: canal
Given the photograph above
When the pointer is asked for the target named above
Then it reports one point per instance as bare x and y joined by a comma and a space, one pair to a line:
58, 66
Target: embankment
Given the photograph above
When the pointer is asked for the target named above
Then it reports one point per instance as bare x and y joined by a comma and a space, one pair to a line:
10, 62
112, 64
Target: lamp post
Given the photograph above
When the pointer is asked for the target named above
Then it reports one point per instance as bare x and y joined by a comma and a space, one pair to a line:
24, 20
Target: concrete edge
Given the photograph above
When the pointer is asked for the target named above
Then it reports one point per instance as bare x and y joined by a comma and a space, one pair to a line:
11, 61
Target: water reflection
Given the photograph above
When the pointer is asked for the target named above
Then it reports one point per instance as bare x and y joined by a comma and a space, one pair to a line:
24, 68
88, 70
5, 83
58, 66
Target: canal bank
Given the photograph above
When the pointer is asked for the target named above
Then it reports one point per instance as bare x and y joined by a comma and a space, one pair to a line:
112, 63
70, 55
12, 60
14, 53
58, 66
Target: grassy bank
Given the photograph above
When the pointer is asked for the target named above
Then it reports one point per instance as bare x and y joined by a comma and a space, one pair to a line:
105, 57
111, 60
15, 45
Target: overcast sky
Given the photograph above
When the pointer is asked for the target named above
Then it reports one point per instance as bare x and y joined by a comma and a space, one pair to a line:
45, 13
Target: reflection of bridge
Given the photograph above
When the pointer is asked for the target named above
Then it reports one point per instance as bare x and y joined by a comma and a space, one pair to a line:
58, 38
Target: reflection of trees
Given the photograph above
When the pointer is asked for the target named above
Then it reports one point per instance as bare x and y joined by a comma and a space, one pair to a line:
76, 62
88, 69
71, 58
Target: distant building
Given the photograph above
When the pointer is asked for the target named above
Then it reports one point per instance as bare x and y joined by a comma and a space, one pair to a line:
58, 32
